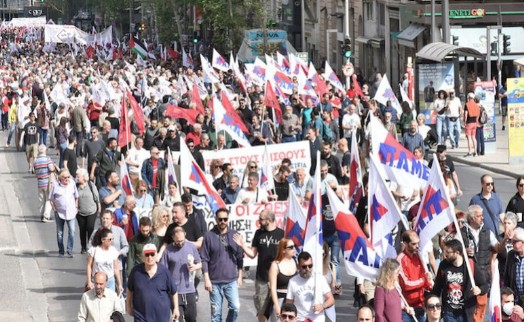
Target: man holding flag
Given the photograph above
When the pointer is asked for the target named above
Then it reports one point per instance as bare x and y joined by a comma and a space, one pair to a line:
301, 292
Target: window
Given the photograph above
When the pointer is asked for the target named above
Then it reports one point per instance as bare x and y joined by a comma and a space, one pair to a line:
368, 11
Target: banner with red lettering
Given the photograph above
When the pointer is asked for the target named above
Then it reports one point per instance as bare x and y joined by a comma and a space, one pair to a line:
297, 152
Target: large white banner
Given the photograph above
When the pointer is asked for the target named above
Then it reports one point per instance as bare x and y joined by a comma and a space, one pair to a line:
70, 34
27, 22
297, 152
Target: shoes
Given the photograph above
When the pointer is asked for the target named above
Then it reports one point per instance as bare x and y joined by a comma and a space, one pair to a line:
61, 255
474, 154
338, 290
196, 296
47, 220
503, 128
83, 251
452, 147
468, 155
70, 255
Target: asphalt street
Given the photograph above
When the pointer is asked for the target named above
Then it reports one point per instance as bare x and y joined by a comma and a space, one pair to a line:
37, 285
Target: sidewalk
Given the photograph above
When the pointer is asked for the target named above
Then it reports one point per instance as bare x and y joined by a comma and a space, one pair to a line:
495, 162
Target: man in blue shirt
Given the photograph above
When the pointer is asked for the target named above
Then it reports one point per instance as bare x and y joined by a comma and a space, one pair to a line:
490, 203
222, 264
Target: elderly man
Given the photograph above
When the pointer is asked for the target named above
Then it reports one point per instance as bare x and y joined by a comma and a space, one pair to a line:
301, 185
230, 193
43, 168
151, 292
513, 277
183, 260
252, 193
137, 243
290, 126
127, 218
99, 303
63, 196
301, 291
480, 242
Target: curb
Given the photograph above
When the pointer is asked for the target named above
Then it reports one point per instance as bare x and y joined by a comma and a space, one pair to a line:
483, 166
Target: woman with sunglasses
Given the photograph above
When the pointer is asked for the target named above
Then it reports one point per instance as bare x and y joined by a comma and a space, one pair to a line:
103, 257
433, 308
251, 166
516, 203
281, 271
161, 220
143, 199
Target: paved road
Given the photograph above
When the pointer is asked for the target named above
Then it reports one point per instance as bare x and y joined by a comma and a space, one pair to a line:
39, 286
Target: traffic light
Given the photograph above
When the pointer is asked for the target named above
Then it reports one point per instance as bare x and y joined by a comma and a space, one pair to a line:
196, 36
494, 48
505, 49
271, 24
455, 40
346, 48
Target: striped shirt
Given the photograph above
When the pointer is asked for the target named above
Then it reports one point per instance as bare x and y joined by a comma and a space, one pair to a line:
41, 165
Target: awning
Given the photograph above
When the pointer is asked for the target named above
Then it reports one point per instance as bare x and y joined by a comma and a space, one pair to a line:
407, 36
437, 51
519, 61
376, 42
363, 40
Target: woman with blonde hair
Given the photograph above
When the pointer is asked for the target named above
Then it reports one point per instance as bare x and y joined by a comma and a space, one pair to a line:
282, 269
143, 199
161, 219
387, 302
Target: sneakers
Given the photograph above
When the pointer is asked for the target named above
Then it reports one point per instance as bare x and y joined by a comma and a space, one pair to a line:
70, 255
83, 251
503, 128
338, 290
47, 220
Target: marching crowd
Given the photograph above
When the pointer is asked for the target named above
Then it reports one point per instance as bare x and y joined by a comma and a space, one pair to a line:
152, 265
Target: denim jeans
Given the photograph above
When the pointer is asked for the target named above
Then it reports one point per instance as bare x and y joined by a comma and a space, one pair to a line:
479, 134
334, 245
12, 128
442, 129
216, 297
71, 226
450, 317
62, 147
454, 131
286, 139
43, 136
408, 318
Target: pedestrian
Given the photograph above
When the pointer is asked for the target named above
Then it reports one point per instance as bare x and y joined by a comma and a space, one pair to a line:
126, 217
151, 292
302, 288
103, 257
282, 269
440, 106
88, 207
70, 158
222, 265
62, 135
453, 284
512, 276
183, 260
111, 194
99, 303
490, 203
149, 168
29, 138
329, 270
264, 245
106, 160
471, 114
516, 203
137, 243
63, 196
252, 193
45, 176
289, 312
506, 239
433, 308
387, 301
160, 221
510, 311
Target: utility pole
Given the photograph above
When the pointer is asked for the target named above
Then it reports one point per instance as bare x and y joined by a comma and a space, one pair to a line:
347, 40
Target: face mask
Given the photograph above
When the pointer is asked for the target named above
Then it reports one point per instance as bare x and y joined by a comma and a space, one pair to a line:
507, 308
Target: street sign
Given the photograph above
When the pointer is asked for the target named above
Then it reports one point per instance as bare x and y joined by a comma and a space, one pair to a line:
304, 55
348, 70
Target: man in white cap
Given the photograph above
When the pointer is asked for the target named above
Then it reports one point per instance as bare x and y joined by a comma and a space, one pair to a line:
151, 292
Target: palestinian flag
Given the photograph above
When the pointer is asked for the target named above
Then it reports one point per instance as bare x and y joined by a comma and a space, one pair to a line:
138, 47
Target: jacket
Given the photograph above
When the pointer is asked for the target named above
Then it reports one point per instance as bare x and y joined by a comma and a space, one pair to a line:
412, 279
509, 275
147, 170
221, 259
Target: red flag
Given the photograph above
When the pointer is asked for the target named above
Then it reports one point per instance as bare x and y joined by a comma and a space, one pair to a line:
173, 54
138, 113
230, 110
124, 131
90, 52
195, 98
321, 88
356, 88
120, 53
270, 100
182, 113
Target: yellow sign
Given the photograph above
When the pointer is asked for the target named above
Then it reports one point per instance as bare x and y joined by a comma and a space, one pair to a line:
516, 119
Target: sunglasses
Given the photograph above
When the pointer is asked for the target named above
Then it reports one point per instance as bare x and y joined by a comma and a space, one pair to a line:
150, 255
290, 247
222, 219
143, 190
310, 266
521, 185
489, 183
287, 316
437, 306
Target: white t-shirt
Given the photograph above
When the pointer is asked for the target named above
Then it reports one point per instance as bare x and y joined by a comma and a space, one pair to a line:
301, 291
352, 121
259, 195
103, 260
138, 156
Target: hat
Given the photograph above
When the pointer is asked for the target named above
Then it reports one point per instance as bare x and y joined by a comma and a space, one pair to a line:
471, 95
149, 249
441, 148
171, 128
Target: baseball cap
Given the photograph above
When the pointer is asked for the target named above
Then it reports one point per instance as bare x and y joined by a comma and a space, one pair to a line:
149, 249
471, 95
171, 128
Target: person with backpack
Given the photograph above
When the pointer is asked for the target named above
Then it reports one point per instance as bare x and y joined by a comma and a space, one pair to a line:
479, 134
